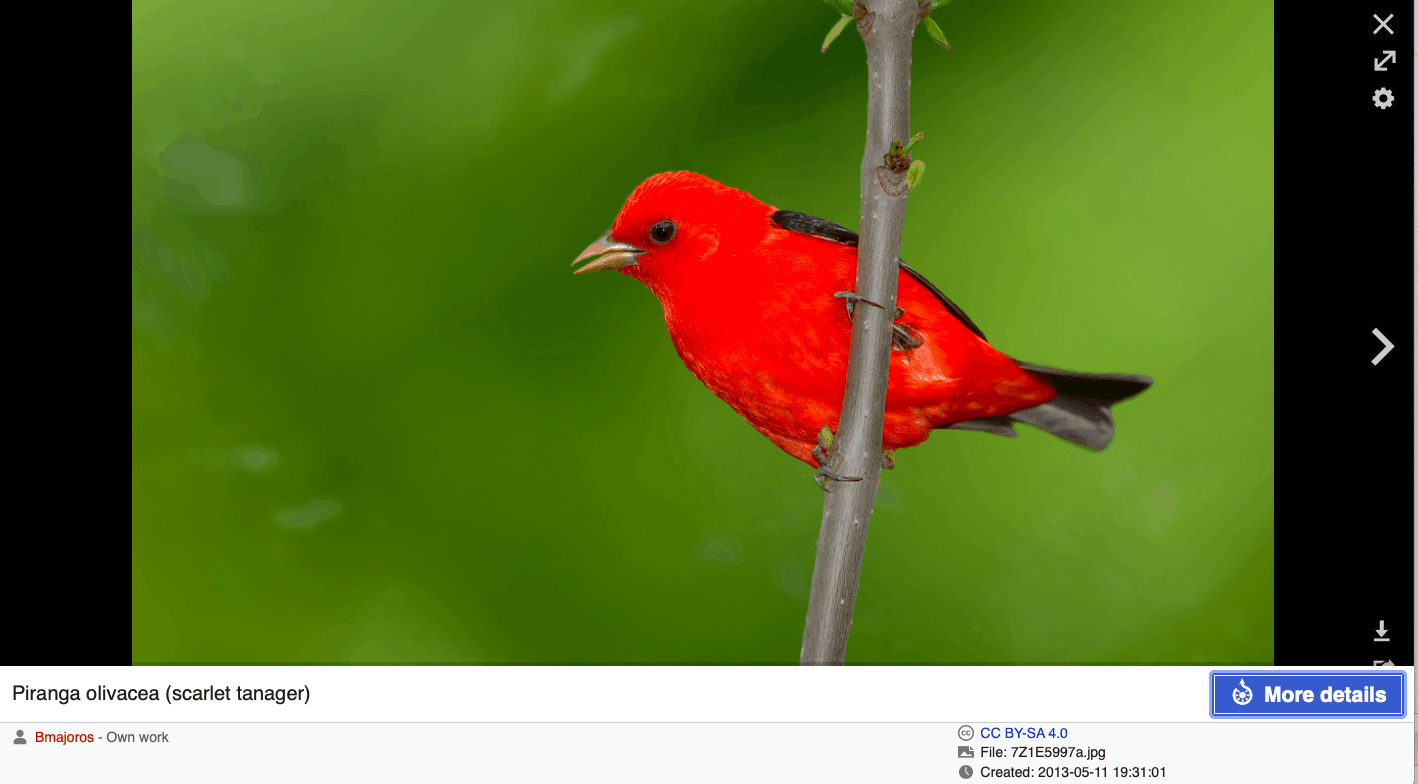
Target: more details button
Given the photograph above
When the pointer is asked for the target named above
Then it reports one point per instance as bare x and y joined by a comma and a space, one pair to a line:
1313, 694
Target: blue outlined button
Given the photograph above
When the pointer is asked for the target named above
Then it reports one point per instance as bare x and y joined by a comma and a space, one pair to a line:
1308, 694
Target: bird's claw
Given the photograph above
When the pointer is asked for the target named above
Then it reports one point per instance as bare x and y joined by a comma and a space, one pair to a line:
852, 298
902, 339
825, 475
825, 449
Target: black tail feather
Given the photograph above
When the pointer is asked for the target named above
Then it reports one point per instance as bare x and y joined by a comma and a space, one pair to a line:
1080, 411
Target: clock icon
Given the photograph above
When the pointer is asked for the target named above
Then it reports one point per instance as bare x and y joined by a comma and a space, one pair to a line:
967, 732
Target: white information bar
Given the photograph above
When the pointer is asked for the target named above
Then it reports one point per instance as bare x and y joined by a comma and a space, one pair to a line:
982, 695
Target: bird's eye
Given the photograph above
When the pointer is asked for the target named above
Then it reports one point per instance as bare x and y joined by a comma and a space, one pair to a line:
662, 232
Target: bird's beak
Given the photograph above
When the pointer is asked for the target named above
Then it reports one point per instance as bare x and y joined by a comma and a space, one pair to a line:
612, 255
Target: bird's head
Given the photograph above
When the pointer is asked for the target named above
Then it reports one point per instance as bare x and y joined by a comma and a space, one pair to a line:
672, 223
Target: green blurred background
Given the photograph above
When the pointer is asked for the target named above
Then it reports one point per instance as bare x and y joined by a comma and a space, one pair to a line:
376, 419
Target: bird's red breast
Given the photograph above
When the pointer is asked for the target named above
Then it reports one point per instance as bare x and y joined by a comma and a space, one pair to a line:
750, 308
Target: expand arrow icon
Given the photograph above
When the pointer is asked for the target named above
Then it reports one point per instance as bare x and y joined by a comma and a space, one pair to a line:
1388, 55
1387, 346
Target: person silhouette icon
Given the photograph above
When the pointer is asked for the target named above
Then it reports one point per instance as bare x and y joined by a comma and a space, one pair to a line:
20, 738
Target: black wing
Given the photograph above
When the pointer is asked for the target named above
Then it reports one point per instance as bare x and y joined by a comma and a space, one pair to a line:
803, 223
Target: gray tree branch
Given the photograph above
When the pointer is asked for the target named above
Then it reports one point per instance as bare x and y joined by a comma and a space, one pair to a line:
846, 512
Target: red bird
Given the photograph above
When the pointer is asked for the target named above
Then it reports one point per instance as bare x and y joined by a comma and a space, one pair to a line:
750, 300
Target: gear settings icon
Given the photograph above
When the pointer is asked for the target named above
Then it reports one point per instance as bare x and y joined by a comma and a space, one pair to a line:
1383, 98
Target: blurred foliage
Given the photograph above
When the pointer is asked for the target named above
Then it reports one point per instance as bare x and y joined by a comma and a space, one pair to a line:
375, 417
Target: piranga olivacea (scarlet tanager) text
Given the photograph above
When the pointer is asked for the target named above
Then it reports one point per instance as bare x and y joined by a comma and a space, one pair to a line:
755, 300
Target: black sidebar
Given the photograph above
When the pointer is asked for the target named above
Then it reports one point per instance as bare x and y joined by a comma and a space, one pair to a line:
1344, 334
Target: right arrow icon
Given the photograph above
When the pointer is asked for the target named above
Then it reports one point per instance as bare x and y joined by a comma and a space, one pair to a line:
1387, 346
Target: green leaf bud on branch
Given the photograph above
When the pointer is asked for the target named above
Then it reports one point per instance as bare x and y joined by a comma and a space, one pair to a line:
835, 31
936, 35
914, 173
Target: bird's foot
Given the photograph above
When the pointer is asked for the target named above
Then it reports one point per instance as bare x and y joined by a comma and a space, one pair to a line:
888, 459
824, 452
852, 298
902, 338
825, 475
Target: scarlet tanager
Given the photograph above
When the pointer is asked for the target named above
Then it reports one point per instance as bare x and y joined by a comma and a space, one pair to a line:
748, 295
